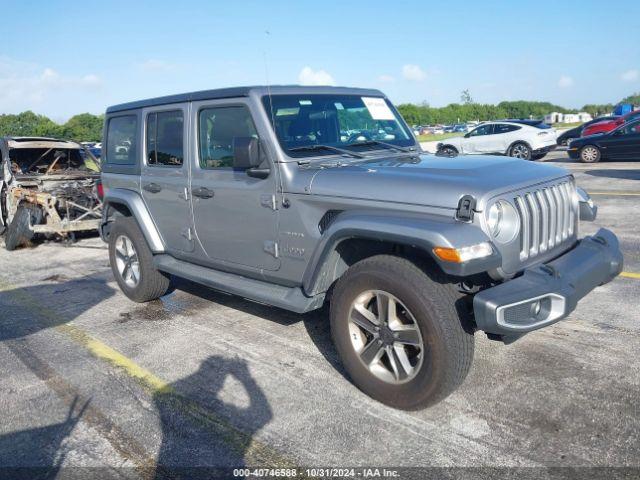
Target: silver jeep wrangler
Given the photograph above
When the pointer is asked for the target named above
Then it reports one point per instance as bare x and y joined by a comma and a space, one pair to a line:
297, 196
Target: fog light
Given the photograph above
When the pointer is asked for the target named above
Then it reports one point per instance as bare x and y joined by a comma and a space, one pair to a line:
535, 309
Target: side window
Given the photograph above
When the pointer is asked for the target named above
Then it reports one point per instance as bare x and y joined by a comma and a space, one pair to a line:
165, 134
481, 130
121, 140
504, 128
217, 128
631, 129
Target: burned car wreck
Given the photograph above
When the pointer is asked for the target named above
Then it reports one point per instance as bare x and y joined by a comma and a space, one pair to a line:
48, 187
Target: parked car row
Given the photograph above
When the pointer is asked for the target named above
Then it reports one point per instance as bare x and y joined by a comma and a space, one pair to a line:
442, 129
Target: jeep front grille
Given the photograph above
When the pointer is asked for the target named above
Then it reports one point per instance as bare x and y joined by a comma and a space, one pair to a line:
547, 218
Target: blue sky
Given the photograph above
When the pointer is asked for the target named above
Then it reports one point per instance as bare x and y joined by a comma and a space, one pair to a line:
65, 57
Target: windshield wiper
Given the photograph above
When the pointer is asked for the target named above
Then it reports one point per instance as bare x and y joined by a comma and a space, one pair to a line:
311, 148
384, 144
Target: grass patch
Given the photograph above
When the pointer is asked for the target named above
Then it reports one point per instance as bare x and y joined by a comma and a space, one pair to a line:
442, 136
566, 126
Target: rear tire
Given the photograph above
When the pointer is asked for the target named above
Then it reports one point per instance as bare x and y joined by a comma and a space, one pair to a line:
132, 262
520, 150
590, 154
433, 307
19, 231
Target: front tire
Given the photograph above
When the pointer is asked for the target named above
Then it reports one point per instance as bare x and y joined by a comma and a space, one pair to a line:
590, 154
132, 263
403, 335
520, 150
447, 151
19, 230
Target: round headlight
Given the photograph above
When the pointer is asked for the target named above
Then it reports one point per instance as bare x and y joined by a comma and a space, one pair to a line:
503, 221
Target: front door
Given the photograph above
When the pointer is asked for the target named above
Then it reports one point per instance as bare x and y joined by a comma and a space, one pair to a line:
624, 143
165, 175
235, 215
479, 140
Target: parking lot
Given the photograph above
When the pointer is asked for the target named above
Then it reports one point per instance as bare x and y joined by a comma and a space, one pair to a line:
90, 379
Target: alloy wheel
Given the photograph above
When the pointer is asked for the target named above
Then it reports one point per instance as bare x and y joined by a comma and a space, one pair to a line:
386, 336
520, 151
127, 261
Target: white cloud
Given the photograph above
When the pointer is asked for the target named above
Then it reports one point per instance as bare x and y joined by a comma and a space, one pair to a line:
565, 81
386, 79
27, 86
630, 76
413, 73
309, 76
154, 65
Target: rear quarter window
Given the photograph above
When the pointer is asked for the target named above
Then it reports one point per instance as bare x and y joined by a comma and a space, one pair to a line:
122, 141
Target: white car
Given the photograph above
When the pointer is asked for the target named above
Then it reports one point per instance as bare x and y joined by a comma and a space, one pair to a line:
529, 141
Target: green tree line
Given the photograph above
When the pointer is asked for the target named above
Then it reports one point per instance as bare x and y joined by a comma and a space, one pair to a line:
84, 127
456, 112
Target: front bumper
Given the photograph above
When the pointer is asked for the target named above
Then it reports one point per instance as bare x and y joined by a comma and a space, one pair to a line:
547, 293
573, 152
545, 149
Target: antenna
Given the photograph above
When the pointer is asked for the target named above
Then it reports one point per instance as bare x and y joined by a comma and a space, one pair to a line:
266, 74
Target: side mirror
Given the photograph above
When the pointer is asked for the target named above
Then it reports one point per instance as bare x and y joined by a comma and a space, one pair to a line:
246, 156
246, 152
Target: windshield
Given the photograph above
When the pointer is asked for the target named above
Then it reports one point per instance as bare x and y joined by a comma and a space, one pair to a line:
51, 160
349, 122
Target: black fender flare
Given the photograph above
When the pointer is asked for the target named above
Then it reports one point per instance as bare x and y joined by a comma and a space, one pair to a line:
115, 197
423, 232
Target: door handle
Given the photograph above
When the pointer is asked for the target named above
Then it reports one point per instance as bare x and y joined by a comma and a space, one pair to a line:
202, 192
152, 187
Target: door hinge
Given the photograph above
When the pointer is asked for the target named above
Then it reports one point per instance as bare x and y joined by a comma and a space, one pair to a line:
269, 201
271, 248
186, 233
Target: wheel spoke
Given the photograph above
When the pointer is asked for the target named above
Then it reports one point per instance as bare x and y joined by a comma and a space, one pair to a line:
126, 271
408, 335
383, 301
371, 352
403, 359
121, 248
394, 362
119, 255
364, 319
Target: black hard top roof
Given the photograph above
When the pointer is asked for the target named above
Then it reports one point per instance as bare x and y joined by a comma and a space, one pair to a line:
236, 92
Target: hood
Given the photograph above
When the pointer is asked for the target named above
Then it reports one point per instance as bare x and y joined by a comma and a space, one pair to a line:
430, 180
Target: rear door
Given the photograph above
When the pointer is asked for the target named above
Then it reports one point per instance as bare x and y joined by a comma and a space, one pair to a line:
504, 135
165, 175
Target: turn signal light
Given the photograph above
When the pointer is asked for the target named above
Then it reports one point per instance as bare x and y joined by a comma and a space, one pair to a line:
464, 254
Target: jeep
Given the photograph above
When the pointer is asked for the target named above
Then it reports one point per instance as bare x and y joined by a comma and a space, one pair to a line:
297, 197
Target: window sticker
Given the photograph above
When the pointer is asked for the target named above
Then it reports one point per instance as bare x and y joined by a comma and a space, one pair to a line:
339, 106
378, 108
305, 102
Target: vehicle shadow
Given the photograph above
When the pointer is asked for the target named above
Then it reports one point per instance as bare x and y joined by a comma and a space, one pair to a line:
316, 322
209, 419
28, 310
38, 452
621, 174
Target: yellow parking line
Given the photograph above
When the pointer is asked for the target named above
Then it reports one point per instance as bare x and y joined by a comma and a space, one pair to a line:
614, 194
255, 452
630, 275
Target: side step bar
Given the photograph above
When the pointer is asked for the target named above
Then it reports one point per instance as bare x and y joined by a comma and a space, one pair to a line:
289, 298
